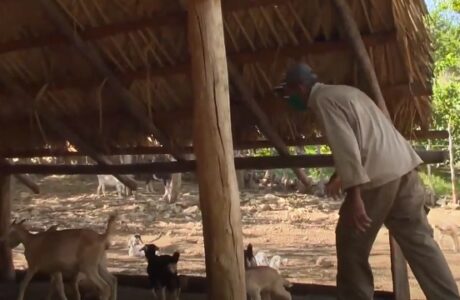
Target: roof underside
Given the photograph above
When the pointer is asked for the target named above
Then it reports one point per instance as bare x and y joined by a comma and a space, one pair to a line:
144, 43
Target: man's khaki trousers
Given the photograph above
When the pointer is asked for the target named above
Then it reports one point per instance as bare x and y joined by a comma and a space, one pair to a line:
400, 206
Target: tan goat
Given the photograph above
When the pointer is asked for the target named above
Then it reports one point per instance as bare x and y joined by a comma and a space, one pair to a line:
70, 251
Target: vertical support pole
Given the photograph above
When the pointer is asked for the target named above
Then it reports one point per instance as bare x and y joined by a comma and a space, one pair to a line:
6, 259
213, 145
399, 267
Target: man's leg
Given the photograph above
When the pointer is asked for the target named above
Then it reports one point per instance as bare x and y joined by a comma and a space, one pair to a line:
354, 274
409, 225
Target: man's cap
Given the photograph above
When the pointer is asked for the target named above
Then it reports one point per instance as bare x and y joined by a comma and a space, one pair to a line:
298, 73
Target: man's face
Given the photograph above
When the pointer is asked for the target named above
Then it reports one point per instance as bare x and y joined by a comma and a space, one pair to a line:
297, 96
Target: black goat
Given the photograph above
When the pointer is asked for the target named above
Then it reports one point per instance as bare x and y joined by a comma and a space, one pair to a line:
249, 259
162, 272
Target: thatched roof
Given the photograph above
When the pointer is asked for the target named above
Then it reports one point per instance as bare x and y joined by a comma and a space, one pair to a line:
144, 42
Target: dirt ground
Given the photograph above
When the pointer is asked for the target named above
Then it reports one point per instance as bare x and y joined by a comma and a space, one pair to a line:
299, 228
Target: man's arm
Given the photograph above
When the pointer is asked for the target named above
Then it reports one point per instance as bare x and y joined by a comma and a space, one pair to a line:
347, 160
343, 143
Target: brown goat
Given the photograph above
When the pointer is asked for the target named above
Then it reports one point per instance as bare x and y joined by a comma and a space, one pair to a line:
70, 251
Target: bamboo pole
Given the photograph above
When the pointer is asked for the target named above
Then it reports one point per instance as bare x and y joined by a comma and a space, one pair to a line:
213, 145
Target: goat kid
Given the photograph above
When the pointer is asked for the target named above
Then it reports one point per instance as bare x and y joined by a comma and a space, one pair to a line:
162, 272
451, 230
263, 282
70, 251
112, 181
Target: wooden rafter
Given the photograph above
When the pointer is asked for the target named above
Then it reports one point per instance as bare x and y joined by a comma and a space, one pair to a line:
245, 57
92, 55
262, 121
26, 101
241, 163
156, 20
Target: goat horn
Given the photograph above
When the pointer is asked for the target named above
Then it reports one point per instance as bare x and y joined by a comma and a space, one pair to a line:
158, 237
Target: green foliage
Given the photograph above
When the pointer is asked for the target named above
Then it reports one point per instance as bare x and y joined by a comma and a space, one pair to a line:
444, 24
441, 185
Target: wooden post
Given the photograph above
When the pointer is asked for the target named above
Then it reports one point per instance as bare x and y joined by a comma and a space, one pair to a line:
452, 164
219, 197
400, 276
6, 259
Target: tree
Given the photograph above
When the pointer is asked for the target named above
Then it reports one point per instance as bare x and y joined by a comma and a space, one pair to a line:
444, 24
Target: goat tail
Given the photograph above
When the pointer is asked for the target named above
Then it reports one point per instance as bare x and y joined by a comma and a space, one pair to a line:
110, 225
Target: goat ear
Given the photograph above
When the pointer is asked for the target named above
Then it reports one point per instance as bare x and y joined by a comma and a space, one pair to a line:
176, 256
250, 252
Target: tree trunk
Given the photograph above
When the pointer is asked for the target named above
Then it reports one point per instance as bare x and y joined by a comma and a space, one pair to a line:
452, 164
213, 145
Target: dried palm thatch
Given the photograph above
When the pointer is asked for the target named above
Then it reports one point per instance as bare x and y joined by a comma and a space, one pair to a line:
144, 42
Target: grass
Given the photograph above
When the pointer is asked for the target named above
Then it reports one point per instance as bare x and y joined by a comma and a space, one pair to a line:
440, 183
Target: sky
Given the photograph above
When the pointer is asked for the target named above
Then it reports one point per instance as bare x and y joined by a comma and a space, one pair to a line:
430, 4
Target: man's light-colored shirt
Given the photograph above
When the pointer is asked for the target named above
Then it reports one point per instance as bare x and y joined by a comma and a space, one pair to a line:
367, 149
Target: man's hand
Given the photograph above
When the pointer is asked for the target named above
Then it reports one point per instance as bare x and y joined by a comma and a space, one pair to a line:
354, 211
334, 186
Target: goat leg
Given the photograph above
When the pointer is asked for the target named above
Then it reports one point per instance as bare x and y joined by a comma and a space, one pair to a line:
60, 285
25, 282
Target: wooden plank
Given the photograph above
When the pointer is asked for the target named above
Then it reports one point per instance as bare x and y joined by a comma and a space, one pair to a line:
212, 138
198, 284
6, 259
241, 163
132, 104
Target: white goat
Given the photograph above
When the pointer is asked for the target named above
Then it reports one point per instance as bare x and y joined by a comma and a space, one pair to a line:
70, 251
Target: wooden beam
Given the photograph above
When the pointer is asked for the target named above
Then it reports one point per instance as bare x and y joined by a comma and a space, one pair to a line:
26, 101
23, 179
263, 122
155, 20
26, 181
6, 258
351, 30
353, 35
241, 163
417, 135
212, 138
244, 57
132, 104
